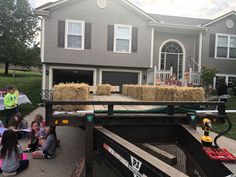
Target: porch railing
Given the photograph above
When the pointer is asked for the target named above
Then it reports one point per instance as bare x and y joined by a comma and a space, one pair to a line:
194, 77
162, 75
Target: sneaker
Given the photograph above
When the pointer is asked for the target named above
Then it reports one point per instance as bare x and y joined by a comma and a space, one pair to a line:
27, 150
9, 173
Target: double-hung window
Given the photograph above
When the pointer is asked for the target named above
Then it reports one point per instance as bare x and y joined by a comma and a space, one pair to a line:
122, 38
74, 34
225, 46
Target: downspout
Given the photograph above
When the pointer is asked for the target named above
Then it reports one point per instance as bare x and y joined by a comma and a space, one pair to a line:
200, 53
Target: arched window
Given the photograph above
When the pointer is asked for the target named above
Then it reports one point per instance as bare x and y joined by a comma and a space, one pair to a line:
172, 56
172, 47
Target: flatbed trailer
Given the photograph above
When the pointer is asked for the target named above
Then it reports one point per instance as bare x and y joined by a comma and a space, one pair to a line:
115, 135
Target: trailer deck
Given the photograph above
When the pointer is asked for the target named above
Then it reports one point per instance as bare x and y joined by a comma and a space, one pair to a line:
118, 97
116, 136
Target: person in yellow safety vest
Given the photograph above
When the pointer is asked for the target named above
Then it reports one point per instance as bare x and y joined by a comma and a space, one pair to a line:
10, 103
16, 93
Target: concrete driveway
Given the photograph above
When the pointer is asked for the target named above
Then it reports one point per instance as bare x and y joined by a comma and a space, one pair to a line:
71, 149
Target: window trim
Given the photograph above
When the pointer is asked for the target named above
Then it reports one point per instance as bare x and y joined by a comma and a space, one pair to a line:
228, 47
115, 38
67, 21
222, 75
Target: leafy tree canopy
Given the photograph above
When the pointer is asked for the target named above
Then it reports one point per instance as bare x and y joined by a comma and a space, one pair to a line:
18, 27
207, 75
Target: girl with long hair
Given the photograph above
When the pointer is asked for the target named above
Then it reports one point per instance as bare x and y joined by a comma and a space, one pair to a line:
11, 154
49, 147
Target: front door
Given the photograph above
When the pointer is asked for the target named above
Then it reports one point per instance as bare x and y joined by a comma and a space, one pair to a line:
172, 61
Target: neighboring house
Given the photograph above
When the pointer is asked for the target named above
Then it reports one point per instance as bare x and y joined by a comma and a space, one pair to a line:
113, 41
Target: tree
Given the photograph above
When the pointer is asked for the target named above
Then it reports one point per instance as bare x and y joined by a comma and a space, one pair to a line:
207, 76
18, 27
32, 56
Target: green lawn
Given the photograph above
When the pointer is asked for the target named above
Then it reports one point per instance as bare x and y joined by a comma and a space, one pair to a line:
27, 82
218, 128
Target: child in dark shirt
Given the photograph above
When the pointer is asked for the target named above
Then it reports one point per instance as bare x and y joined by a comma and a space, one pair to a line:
49, 147
19, 124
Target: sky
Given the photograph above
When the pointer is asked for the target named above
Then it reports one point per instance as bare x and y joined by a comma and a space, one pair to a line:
208, 9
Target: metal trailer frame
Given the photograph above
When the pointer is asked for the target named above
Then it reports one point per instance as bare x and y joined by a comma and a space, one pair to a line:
90, 122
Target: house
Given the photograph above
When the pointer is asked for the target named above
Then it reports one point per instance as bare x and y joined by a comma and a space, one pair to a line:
113, 41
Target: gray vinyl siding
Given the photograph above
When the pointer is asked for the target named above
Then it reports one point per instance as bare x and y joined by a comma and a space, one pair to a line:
87, 10
186, 40
224, 66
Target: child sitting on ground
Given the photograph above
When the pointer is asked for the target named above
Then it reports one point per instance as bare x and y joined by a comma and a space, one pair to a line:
19, 123
11, 154
37, 135
49, 146
40, 119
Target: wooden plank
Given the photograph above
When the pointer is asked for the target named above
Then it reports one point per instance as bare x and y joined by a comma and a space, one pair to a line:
165, 168
97, 107
163, 155
120, 97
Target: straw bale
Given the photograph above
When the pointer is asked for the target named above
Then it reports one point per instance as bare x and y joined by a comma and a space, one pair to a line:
149, 93
103, 89
161, 93
189, 94
164, 93
198, 94
69, 92
133, 91
140, 92
125, 89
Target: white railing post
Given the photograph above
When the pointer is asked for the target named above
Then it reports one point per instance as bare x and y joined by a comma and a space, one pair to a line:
190, 75
171, 71
214, 83
155, 75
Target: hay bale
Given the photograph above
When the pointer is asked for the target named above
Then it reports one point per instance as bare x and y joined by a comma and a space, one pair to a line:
198, 94
189, 94
103, 89
140, 92
125, 89
149, 93
70, 92
131, 91
161, 93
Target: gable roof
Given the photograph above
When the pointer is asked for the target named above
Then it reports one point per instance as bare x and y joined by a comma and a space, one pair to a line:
49, 5
180, 20
219, 18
